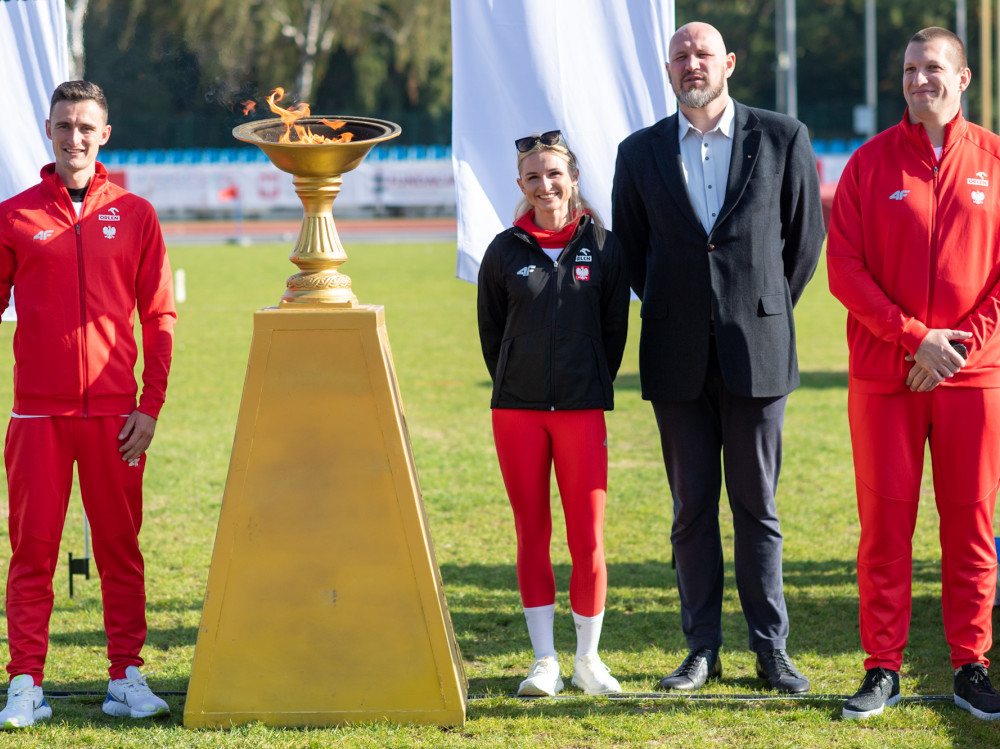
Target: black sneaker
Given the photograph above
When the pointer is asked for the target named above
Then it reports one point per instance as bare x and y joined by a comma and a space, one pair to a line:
777, 669
879, 689
698, 667
975, 693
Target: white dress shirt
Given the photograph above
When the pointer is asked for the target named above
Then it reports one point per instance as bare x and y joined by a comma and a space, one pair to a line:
705, 158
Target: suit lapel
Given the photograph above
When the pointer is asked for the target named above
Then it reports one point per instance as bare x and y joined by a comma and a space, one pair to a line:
667, 153
746, 147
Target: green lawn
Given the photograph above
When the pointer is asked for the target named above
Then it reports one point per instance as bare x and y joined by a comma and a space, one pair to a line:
445, 387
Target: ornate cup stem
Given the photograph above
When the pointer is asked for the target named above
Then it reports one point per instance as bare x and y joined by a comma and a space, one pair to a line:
318, 252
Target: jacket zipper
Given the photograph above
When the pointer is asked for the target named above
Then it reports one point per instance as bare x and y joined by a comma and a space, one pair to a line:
552, 343
555, 309
934, 246
83, 317
554, 306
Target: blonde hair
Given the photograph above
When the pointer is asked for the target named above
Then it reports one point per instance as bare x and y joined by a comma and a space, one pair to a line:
577, 203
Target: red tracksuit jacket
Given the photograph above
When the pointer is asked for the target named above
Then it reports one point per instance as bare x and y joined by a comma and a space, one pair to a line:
79, 283
920, 251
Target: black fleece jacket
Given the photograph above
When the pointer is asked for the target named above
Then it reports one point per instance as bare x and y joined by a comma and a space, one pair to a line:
553, 333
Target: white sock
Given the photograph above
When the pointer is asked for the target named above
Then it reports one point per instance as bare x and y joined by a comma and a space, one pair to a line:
588, 633
540, 620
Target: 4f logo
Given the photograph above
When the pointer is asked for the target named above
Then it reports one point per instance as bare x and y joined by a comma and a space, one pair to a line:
109, 232
44, 234
899, 194
526, 270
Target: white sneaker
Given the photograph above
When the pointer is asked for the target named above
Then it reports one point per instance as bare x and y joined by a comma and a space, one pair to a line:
25, 704
543, 679
593, 677
131, 698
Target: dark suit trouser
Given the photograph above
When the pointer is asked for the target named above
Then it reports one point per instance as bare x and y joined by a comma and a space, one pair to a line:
747, 431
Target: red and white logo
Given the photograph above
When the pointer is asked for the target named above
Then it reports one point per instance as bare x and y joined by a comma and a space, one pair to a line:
582, 272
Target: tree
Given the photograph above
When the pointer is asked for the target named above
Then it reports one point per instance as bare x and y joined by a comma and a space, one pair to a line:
76, 11
831, 54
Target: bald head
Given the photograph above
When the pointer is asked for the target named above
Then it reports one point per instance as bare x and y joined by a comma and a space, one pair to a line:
705, 32
699, 68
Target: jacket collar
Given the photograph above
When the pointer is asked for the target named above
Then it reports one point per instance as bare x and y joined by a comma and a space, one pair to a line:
583, 224
746, 145
915, 132
54, 183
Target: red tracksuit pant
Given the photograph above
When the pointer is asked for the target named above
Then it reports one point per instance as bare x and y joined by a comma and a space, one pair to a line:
39, 456
888, 433
528, 444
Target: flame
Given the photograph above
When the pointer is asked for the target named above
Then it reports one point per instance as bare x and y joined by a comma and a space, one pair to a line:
249, 106
291, 115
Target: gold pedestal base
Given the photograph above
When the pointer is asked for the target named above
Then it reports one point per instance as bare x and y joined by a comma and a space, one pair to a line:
324, 605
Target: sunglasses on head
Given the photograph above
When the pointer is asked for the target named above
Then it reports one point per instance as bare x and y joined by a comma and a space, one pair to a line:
528, 142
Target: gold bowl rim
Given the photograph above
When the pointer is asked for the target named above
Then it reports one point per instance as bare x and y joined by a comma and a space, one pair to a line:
247, 131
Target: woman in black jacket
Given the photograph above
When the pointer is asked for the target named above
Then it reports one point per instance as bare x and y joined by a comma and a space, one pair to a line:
553, 317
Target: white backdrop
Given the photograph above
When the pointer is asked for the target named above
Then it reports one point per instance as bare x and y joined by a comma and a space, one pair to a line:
591, 68
33, 61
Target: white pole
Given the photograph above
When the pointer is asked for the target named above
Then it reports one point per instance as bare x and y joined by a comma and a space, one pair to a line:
180, 286
871, 68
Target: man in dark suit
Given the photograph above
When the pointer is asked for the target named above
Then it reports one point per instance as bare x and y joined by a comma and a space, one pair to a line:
718, 209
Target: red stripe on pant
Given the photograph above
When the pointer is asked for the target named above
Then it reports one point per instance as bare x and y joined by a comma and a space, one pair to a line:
888, 433
39, 455
528, 444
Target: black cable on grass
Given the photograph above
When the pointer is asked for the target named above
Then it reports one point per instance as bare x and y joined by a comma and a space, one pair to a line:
624, 696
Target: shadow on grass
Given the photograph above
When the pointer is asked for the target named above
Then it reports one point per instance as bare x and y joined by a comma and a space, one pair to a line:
545, 708
90, 599
644, 611
823, 380
811, 380
158, 639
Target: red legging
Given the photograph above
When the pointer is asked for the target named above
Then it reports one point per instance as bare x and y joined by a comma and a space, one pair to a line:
528, 443
888, 433
39, 455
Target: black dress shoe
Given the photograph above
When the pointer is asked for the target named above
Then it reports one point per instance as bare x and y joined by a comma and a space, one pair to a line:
777, 669
699, 666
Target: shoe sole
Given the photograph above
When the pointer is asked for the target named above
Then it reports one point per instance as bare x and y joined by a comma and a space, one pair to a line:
531, 690
965, 705
594, 692
861, 715
41, 713
692, 687
121, 710
783, 690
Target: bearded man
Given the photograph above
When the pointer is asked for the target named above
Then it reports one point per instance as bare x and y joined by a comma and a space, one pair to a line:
718, 209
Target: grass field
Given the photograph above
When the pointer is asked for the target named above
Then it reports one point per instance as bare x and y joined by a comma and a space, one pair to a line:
445, 388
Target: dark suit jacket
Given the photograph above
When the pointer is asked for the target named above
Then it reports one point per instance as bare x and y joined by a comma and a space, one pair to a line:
748, 272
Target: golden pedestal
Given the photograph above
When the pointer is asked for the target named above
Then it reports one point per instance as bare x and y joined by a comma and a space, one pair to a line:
324, 604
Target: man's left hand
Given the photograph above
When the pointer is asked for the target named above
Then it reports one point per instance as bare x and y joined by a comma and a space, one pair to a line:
935, 360
137, 433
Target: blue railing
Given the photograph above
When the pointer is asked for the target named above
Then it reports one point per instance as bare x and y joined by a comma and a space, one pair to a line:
251, 155
836, 146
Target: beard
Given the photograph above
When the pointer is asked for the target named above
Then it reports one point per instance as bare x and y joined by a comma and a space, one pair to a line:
696, 98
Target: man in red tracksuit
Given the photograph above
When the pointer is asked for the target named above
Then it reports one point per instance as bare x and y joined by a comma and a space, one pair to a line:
86, 257
914, 255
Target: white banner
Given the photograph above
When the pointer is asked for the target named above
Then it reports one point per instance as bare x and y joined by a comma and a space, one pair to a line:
33, 61
258, 188
591, 68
